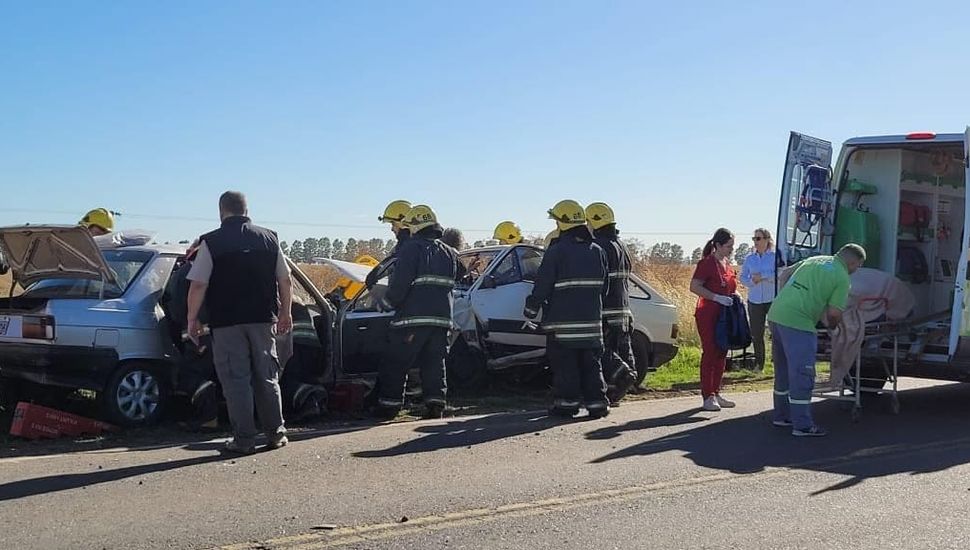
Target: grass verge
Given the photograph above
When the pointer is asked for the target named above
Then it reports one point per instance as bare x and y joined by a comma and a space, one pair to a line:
682, 373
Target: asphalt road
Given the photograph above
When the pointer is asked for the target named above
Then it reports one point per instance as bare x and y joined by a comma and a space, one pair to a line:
657, 474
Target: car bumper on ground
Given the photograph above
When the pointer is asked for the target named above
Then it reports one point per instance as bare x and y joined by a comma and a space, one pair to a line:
68, 366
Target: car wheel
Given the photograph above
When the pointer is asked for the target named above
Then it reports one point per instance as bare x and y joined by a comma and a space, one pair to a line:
466, 368
642, 356
135, 395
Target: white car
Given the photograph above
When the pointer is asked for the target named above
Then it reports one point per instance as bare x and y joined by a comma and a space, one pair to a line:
492, 331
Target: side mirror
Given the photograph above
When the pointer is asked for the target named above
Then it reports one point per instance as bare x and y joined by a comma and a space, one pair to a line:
489, 282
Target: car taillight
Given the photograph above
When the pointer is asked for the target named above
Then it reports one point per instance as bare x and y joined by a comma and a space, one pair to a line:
921, 135
38, 327
674, 331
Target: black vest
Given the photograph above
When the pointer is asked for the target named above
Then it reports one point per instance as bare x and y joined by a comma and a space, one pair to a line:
242, 288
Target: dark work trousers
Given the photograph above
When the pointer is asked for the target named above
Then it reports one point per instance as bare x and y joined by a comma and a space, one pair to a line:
421, 347
757, 314
197, 379
577, 377
619, 366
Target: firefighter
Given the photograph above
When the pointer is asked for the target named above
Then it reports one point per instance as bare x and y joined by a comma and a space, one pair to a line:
419, 291
394, 215
569, 290
550, 238
197, 373
507, 233
618, 363
99, 221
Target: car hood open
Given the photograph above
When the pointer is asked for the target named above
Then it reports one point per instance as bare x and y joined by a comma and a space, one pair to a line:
353, 271
36, 252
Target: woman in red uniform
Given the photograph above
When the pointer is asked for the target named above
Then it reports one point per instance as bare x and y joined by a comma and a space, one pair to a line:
714, 281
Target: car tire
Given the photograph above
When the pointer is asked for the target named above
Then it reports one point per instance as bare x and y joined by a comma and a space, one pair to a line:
135, 395
643, 358
467, 371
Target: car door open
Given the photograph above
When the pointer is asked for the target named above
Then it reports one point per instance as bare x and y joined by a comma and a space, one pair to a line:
498, 298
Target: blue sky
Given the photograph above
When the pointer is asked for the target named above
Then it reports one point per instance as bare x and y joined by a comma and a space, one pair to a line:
677, 114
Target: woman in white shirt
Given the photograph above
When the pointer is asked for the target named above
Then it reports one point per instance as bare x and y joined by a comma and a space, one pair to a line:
758, 275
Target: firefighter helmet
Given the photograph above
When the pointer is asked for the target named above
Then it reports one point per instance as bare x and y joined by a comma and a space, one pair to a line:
99, 217
508, 233
599, 215
568, 214
420, 217
395, 212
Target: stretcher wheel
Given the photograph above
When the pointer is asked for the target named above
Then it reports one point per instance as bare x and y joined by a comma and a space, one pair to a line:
856, 414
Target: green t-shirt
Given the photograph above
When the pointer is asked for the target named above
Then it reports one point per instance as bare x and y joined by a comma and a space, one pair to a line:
817, 283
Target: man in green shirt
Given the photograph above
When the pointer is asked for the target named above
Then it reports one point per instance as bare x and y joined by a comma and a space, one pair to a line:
817, 290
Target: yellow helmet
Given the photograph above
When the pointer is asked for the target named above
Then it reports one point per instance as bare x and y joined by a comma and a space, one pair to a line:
599, 214
508, 233
420, 217
568, 214
553, 235
99, 217
395, 212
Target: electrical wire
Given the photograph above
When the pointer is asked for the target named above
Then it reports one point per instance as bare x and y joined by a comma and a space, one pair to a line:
290, 223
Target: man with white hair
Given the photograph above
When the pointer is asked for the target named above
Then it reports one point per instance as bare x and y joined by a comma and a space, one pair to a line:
817, 290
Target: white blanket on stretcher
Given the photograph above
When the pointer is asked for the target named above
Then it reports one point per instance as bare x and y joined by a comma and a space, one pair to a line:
873, 294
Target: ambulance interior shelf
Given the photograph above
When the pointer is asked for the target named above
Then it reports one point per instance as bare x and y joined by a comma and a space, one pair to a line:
931, 211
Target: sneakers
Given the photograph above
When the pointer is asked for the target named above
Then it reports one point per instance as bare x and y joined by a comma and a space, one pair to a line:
724, 403
781, 423
277, 443
597, 413
233, 447
711, 404
814, 431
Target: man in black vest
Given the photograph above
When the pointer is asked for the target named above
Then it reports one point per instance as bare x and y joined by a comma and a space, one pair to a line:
197, 374
241, 274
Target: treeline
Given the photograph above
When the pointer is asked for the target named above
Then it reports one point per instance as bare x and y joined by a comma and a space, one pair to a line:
673, 254
310, 249
307, 250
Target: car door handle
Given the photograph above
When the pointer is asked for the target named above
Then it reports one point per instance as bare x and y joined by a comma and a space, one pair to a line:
362, 328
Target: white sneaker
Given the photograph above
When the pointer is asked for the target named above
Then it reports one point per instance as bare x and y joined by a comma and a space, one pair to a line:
710, 404
724, 403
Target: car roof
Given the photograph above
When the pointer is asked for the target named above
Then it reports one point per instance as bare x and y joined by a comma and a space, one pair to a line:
497, 248
167, 249
901, 139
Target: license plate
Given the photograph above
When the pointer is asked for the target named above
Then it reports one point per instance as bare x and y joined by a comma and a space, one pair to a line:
10, 326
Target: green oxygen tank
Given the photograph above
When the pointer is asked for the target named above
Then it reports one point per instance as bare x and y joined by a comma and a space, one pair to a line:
853, 224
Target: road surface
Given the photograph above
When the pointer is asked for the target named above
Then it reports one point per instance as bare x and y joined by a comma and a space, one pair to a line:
657, 474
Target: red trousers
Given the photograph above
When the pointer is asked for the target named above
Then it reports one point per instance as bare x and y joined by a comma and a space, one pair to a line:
713, 358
